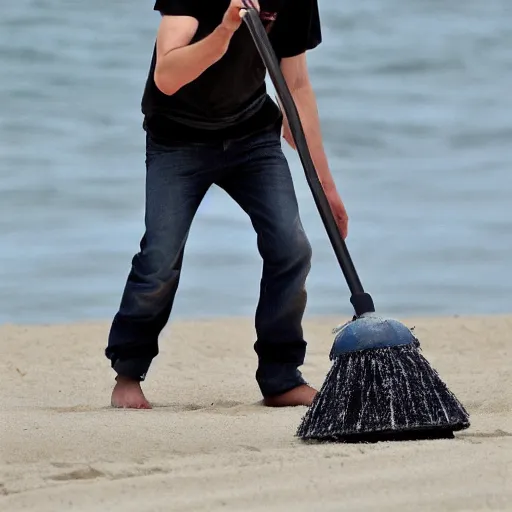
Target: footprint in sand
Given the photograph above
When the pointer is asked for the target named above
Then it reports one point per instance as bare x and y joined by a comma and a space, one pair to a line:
79, 474
220, 407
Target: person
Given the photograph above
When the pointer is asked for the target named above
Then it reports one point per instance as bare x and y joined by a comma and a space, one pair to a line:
209, 120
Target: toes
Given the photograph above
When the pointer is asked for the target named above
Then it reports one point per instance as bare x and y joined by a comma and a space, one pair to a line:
302, 395
131, 405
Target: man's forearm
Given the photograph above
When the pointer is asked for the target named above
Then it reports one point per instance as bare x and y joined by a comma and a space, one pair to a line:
305, 101
182, 65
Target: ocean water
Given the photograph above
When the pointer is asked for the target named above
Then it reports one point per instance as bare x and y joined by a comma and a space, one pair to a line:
415, 100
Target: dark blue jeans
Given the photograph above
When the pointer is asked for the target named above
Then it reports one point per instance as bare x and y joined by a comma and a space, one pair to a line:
255, 173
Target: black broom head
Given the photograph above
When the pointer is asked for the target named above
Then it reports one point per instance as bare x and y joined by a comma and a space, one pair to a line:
380, 388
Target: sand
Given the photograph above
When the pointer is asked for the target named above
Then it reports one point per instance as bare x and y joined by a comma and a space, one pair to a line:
210, 445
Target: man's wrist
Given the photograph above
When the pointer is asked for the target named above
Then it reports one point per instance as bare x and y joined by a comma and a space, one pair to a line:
225, 31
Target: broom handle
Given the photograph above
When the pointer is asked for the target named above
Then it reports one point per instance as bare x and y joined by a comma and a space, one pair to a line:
361, 301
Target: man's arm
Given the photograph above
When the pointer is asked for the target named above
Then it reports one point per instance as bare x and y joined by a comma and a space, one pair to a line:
177, 61
295, 72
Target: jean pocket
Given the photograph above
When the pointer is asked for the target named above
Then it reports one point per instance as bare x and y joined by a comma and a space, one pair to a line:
153, 146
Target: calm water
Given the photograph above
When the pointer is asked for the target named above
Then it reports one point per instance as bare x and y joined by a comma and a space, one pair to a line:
416, 104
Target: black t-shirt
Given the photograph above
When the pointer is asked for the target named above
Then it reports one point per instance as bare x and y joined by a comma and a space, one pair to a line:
229, 99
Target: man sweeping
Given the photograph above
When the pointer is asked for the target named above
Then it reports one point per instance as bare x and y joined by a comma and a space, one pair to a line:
209, 120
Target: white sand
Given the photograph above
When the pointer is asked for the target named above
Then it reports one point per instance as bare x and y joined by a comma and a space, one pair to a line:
209, 445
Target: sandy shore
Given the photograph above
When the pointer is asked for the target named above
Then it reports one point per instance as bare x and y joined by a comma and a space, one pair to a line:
209, 445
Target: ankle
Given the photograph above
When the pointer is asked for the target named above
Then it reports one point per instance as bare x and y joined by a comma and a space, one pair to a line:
121, 379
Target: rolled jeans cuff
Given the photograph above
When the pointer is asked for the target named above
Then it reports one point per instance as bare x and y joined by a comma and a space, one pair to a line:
277, 378
135, 369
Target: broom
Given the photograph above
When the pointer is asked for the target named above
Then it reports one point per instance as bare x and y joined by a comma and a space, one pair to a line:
380, 387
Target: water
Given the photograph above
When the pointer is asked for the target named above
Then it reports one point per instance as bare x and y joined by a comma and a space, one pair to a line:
415, 104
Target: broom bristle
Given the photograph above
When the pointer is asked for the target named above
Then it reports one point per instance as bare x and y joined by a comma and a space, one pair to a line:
383, 394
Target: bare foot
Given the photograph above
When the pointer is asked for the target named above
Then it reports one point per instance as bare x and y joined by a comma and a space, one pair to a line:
128, 394
301, 395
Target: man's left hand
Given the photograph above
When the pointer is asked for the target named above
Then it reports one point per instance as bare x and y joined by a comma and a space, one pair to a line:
338, 209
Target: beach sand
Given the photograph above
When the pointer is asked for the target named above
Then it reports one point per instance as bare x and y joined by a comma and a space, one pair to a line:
209, 445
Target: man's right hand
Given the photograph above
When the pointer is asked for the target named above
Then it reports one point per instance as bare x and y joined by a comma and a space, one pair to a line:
178, 61
234, 14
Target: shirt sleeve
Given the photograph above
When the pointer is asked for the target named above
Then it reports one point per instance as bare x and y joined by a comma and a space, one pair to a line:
177, 7
297, 28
